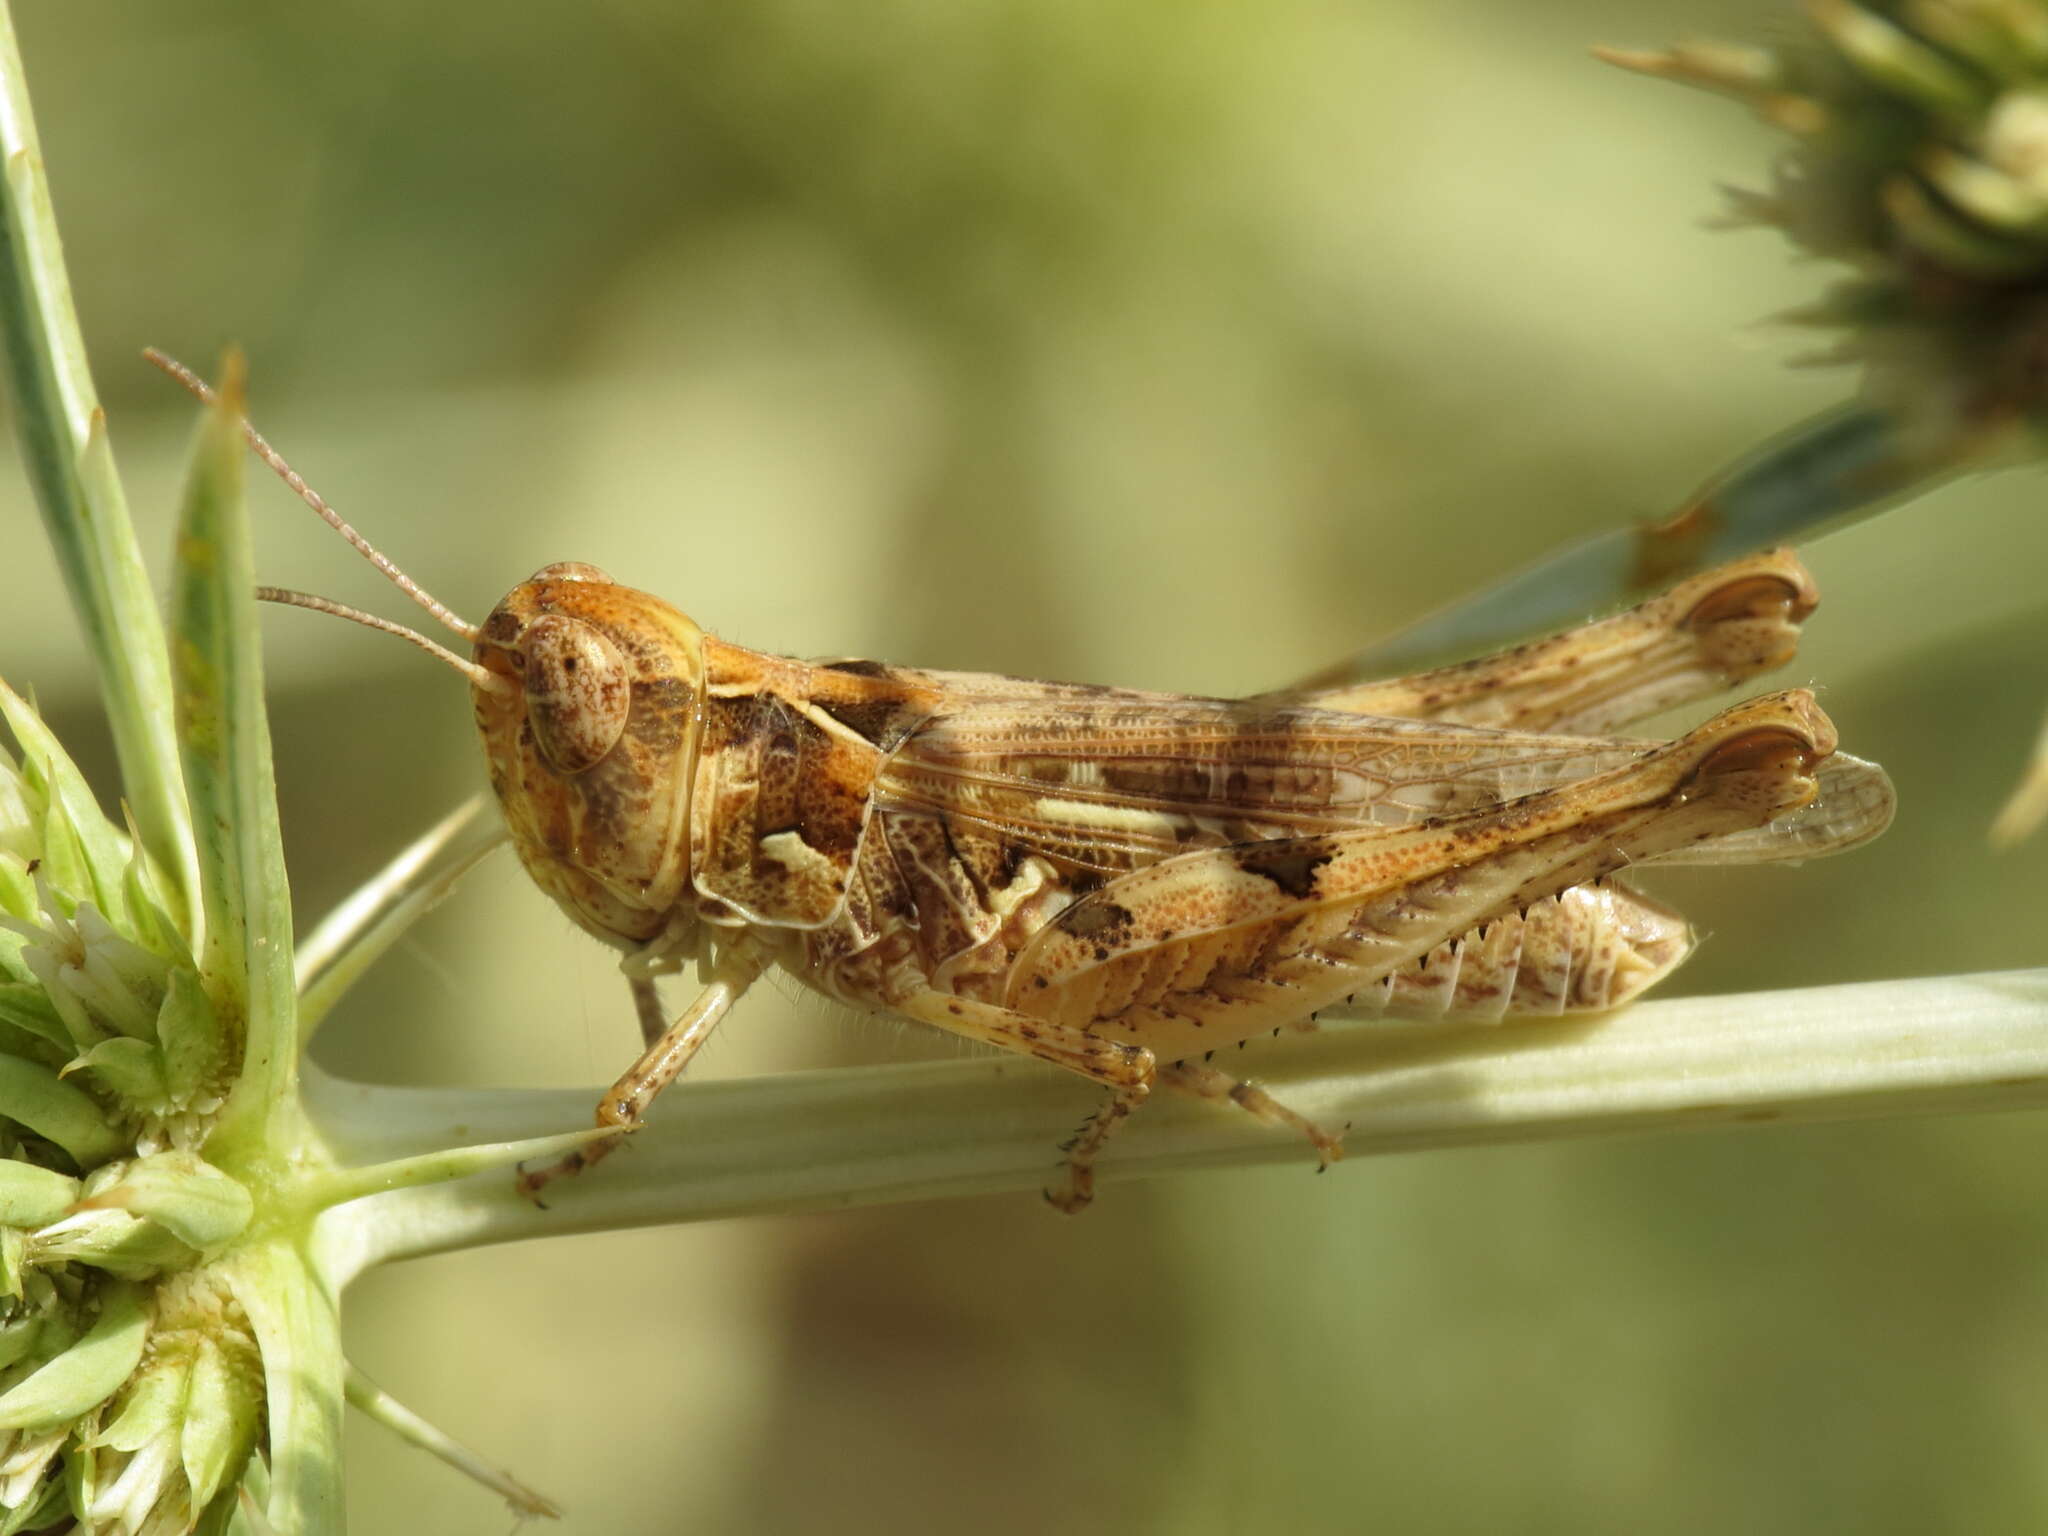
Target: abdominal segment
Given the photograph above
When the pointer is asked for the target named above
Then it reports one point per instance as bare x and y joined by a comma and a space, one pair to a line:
1584, 950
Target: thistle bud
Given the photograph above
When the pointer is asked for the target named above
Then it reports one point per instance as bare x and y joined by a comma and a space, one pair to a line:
179, 1430
1920, 160
94, 975
130, 1385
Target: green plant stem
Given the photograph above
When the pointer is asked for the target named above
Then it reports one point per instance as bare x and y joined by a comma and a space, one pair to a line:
369, 1398
867, 1135
338, 1186
356, 934
64, 442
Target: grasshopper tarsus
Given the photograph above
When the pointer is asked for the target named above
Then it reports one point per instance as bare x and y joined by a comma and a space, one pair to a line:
530, 1182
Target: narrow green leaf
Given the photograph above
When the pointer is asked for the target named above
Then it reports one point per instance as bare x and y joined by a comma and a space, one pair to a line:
150, 1409
120, 1244
17, 887
221, 1415
193, 1043
247, 962
80, 1475
65, 869
105, 850
64, 445
184, 1194
56, 1111
18, 1340
55, 1333
26, 1006
132, 1070
18, 811
87, 1373
32, 1196
297, 1324
148, 915
50, 973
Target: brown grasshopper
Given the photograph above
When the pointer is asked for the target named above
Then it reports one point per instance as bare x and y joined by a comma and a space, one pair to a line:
1118, 882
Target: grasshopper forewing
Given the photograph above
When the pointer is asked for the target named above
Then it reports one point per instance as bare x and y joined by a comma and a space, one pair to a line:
1118, 882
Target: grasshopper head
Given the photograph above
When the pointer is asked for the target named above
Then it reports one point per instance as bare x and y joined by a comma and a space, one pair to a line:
589, 720
588, 696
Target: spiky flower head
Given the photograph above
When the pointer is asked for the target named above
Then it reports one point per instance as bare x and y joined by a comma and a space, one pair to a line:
130, 1386
1919, 160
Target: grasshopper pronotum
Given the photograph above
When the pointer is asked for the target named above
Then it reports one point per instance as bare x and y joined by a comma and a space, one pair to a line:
1117, 882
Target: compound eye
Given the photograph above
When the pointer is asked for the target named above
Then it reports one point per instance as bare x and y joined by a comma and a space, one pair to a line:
577, 692
572, 570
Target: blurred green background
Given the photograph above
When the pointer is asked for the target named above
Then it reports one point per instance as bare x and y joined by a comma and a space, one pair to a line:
1180, 345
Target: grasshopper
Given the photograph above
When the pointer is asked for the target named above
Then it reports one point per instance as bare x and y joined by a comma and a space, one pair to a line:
1118, 882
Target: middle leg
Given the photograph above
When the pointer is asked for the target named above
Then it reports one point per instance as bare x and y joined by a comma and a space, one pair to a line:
1127, 1071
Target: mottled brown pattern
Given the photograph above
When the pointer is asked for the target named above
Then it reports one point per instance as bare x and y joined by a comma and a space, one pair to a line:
606, 841
661, 714
950, 916
1383, 896
577, 692
1113, 880
783, 791
1710, 632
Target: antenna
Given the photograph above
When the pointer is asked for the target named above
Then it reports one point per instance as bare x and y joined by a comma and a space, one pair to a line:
483, 677
332, 518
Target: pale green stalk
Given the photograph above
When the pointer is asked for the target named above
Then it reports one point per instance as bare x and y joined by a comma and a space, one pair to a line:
373, 917
387, 1410
863, 1136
